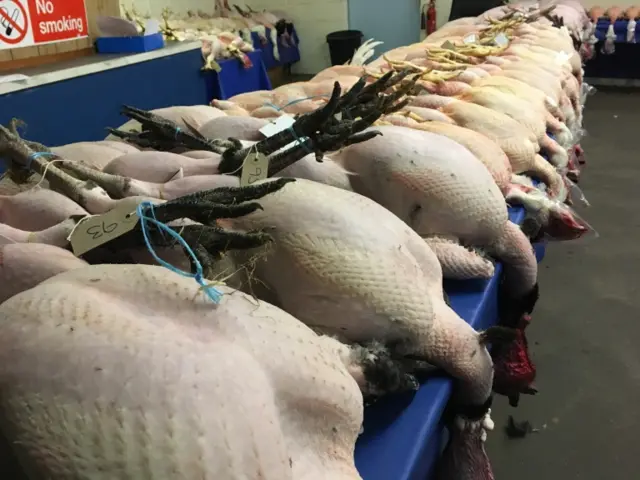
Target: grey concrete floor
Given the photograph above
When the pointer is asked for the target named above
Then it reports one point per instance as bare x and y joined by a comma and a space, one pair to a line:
585, 334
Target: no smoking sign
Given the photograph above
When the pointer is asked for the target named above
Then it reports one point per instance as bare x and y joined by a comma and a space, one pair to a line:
24, 23
14, 22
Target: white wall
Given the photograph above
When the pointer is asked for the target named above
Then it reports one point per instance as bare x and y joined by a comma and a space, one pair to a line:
155, 7
606, 3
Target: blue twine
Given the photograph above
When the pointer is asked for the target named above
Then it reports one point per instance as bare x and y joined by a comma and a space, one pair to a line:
293, 102
36, 155
300, 142
211, 292
269, 104
153, 216
178, 130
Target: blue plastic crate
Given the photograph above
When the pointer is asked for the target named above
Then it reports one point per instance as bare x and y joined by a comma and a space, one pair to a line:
139, 44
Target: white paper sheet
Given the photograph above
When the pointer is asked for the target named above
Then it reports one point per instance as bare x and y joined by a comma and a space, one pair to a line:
14, 77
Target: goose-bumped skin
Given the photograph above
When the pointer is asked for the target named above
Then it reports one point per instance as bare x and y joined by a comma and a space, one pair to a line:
130, 372
37, 209
519, 143
25, 265
345, 265
438, 187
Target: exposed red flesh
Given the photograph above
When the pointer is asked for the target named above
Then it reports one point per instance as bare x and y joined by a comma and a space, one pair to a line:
514, 370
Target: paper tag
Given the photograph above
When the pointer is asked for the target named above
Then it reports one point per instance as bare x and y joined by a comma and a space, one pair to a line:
14, 77
151, 27
448, 45
338, 116
470, 38
254, 169
96, 230
562, 57
282, 123
501, 40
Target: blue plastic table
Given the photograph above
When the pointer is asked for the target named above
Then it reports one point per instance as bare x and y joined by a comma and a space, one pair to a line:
79, 108
403, 434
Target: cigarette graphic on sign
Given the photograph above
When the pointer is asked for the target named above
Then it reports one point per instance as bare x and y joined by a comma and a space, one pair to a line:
6, 23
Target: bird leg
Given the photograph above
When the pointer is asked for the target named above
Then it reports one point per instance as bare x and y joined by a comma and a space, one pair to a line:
233, 195
14, 125
322, 129
208, 241
157, 127
20, 153
304, 126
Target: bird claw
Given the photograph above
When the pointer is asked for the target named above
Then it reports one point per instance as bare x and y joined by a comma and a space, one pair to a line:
386, 373
235, 195
209, 241
147, 119
202, 212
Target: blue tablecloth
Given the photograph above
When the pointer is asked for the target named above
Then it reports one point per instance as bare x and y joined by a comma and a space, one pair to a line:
403, 434
79, 109
234, 78
288, 54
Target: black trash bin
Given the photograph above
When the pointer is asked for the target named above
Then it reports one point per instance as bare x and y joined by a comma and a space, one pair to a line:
343, 44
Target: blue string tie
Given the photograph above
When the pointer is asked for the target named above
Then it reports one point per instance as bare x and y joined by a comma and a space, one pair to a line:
300, 141
214, 294
293, 102
36, 155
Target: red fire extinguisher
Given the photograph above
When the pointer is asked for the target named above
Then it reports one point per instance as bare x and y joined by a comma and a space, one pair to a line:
431, 17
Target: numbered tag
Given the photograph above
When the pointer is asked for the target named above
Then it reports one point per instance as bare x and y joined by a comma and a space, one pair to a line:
448, 45
470, 38
254, 168
501, 40
282, 123
97, 230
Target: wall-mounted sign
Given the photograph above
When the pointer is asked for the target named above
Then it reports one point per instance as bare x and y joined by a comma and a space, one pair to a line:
27, 23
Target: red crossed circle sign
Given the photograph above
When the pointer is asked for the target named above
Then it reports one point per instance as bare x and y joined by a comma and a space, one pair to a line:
13, 20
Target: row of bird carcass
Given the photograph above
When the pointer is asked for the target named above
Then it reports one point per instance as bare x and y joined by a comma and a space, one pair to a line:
225, 33
228, 32
333, 270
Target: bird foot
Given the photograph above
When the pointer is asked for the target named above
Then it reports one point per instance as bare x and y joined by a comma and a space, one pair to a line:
386, 373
